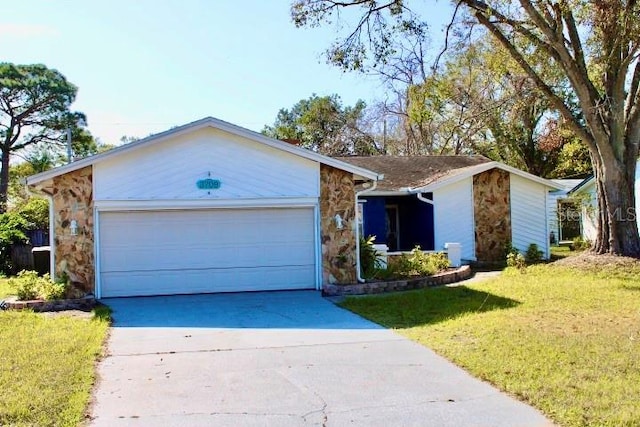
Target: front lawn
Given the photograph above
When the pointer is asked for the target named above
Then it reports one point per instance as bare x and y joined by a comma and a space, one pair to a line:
566, 341
47, 366
4, 288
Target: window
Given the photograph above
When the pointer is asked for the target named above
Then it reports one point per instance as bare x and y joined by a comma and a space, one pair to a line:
360, 219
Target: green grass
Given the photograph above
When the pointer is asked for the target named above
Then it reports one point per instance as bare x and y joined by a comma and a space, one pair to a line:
559, 252
4, 288
565, 341
47, 366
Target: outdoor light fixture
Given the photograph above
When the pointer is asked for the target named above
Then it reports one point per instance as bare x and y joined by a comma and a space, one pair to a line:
74, 227
339, 221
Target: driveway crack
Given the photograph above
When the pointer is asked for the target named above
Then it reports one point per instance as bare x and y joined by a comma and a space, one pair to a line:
282, 347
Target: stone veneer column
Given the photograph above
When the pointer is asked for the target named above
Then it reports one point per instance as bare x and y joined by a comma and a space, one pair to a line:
73, 200
492, 213
337, 196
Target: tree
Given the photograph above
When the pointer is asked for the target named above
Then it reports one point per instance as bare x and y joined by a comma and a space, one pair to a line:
595, 44
324, 125
34, 109
480, 102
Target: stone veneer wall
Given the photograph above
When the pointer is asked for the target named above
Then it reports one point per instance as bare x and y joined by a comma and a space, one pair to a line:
492, 213
73, 200
337, 196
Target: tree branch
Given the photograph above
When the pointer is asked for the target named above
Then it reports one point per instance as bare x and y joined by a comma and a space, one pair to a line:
555, 100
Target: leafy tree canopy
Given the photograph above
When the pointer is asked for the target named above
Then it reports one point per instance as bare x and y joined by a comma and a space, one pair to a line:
324, 125
34, 109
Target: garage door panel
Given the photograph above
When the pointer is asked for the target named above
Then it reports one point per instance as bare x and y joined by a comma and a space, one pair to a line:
192, 251
204, 256
205, 281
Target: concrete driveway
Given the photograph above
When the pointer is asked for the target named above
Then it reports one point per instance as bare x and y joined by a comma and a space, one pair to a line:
281, 359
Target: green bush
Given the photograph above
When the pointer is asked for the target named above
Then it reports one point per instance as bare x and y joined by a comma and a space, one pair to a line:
52, 290
369, 262
509, 249
36, 213
419, 263
32, 215
516, 259
533, 254
28, 285
580, 244
12, 226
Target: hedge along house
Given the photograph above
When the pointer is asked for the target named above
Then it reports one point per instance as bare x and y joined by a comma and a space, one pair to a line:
204, 207
471, 200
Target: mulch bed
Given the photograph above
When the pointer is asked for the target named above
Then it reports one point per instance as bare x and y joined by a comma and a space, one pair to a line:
589, 261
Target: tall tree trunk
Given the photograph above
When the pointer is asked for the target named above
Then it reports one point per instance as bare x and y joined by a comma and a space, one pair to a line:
4, 180
617, 226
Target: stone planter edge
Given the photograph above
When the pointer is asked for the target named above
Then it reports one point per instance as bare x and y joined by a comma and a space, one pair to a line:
446, 277
85, 303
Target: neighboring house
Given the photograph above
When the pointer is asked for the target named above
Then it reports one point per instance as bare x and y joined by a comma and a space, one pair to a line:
204, 207
585, 191
563, 213
471, 200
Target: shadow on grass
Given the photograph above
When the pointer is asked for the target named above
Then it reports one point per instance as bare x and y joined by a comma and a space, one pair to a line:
633, 288
427, 306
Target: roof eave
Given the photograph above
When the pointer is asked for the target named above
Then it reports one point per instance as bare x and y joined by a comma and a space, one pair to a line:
582, 186
474, 170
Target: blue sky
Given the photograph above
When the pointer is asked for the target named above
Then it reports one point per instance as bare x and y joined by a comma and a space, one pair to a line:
144, 66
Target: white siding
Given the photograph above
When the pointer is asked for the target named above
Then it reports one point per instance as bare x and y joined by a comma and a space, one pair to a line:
453, 217
552, 211
528, 214
590, 212
169, 170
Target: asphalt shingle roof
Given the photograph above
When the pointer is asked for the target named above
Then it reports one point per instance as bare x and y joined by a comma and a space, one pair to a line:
401, 172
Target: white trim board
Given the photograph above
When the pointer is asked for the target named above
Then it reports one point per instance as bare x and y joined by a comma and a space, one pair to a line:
117, 205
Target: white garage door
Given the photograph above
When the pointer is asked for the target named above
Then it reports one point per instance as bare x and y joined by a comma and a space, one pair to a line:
198, 251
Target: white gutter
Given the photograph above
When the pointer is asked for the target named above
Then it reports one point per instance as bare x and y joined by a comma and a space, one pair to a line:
424, 199
358, 194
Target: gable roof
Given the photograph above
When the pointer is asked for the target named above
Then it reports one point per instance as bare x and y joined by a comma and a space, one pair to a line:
207, 122
586, 183
583, 185
567, 183
420, 174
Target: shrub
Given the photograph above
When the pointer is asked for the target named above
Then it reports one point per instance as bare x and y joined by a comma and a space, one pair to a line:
36, 213
509, 249
419, 263
533, 254
28, 285
25, 285
369, 262
516, 259
12, 226
52, 290
580, 244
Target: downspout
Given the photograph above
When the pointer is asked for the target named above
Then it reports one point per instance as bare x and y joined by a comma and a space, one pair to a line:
358, 194
52, 240
424, 199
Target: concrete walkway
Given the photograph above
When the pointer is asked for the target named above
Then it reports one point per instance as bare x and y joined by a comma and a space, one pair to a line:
281, 359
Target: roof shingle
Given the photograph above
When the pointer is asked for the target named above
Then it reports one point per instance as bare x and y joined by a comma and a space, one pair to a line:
402, 172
